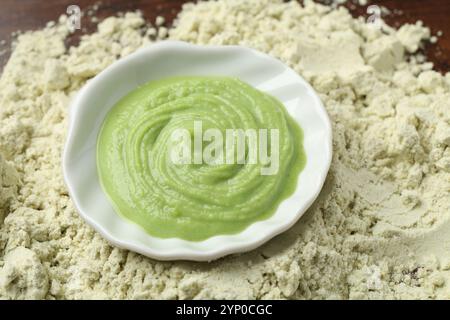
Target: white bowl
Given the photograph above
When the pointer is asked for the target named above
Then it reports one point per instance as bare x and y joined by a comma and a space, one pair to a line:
170, 58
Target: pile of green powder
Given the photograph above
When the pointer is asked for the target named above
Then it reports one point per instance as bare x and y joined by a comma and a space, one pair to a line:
377, 230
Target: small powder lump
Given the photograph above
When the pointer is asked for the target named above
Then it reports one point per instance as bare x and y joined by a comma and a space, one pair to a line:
379, 229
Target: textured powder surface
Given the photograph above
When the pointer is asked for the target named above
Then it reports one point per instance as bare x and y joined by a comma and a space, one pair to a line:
379, 229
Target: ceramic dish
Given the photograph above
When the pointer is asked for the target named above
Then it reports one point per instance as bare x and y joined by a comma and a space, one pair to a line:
166, 59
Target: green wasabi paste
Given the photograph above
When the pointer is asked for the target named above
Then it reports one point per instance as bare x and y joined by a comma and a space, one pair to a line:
196, 199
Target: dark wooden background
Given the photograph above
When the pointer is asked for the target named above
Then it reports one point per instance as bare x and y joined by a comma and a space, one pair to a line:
33, 14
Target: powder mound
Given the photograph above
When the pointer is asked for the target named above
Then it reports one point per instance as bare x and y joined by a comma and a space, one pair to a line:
23, 276
9, 182
376, 231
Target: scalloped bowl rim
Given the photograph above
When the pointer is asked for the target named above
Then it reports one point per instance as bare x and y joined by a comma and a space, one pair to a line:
136, 239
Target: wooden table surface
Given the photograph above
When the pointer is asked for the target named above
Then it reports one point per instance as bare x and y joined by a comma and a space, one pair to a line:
33, 14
